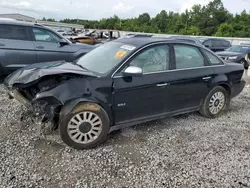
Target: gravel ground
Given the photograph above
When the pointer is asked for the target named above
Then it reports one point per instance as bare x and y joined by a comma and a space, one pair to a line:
185, 151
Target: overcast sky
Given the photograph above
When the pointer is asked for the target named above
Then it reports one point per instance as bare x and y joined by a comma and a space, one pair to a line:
96, 9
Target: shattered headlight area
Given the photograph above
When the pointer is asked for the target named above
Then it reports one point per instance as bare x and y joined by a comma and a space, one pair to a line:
47, 110
44, 110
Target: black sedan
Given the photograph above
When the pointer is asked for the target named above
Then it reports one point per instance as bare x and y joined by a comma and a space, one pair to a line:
123, 83
237, 54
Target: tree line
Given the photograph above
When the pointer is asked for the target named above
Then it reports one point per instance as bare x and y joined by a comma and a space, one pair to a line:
212, 19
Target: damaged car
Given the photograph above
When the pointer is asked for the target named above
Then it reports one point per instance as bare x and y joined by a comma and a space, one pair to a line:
237, 54
123, 83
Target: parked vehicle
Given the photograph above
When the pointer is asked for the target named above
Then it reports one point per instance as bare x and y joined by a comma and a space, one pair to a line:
97, 37
215, 44
61, 32
237, 54
69, 33
123, 83
23, 43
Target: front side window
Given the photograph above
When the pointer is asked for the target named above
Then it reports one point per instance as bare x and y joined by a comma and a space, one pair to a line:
188, 57
45, 35
14, 32
153, 59
212, 58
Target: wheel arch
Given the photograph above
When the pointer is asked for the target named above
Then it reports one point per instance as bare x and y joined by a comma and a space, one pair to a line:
226, 87
71, 105
223, 81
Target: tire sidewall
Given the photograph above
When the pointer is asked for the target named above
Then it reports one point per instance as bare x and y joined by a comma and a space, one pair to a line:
101, 138
208, 98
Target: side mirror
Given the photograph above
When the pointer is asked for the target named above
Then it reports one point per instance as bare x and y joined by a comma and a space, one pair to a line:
63, 42
132, 71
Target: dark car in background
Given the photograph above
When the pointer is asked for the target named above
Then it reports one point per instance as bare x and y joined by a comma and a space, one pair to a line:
126, 82
237, 54
23, 43
215, 44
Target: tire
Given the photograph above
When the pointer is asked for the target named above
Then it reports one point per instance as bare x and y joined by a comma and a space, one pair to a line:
85, 127
215, 95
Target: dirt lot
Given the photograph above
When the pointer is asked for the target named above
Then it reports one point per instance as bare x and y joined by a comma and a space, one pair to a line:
185, 151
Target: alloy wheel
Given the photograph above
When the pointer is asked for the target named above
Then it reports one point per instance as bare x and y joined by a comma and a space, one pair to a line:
84, 127
217, 102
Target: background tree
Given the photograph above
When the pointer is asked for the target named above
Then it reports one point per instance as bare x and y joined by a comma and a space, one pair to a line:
209, 20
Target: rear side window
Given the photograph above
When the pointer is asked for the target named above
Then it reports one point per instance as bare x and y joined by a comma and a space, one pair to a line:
212, 58
226, 43
14, 32
188, 57
217, 43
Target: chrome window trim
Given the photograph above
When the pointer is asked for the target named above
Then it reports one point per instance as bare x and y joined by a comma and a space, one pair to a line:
162, 42
173, 70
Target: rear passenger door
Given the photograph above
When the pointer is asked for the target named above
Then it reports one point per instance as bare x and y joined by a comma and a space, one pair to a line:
16, 47
190, 79
48, 48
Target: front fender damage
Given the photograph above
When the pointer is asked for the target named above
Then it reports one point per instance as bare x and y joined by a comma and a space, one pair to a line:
49, 103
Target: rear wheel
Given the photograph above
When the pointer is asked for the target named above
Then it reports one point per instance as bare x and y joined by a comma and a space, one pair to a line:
215, 102
86, 126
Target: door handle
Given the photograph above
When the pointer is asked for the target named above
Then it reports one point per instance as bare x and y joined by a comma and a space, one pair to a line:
206, 78
1, 44
161, 85
40, 47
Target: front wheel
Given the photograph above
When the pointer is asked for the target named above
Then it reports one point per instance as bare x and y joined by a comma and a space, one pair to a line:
86, 126
215, 102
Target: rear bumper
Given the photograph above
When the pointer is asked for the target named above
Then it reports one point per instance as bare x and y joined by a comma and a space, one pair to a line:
237, 88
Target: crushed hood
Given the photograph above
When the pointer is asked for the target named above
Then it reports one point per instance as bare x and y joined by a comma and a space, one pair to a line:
36, 71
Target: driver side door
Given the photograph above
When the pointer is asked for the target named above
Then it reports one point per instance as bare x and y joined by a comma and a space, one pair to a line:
144, 97
47, 46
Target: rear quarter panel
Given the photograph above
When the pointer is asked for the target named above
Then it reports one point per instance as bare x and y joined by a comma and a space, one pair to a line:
230, 74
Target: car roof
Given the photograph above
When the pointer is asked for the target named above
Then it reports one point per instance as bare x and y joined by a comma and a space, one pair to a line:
210, 38
142, 41
182, 37
21, 23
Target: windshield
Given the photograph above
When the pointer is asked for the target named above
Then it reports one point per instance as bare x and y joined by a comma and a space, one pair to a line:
241, 49
105, 57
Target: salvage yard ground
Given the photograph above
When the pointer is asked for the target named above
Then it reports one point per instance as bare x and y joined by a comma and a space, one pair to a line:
185, 151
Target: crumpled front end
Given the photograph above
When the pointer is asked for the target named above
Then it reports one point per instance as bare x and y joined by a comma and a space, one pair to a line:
45, 109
